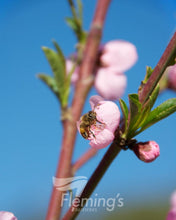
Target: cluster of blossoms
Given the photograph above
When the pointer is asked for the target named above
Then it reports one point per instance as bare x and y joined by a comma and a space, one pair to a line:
172, 212
115, 57
7, 216
107, 121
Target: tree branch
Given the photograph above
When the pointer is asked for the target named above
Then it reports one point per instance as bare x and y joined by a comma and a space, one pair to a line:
82, 88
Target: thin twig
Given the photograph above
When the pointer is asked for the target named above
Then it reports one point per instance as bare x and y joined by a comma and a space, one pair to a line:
166, 60
82, 88
83, 159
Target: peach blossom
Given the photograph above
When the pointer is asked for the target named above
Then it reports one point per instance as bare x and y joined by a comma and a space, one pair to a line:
108, 117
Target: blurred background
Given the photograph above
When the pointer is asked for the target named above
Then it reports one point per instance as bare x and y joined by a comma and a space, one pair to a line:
30, 130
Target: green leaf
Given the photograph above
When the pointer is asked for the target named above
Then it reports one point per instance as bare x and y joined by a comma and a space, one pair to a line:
154, 95
73, 24
61, 56
124, 111
57, 63
135, 110
149, 72
159, 113
80, 10
135, 105
49, 81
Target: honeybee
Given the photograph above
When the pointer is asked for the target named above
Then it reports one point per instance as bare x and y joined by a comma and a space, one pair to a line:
87, 120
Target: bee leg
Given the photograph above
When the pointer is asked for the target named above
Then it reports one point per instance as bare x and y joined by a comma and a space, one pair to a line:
99, 121
92, 133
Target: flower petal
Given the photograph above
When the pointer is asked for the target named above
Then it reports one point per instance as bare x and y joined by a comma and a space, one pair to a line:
147, 151
172, 77
94, 100
7, 216
109, 84
173, 199
109, 114
120, 55
102, 140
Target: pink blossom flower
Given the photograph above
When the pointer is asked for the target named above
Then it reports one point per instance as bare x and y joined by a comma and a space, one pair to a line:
119, 54
101, 132
172, 77
109, 84
172, 212
69, 66
117, 57
147, 151
7, 216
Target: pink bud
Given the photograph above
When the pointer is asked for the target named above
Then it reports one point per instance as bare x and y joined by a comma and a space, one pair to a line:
109, 84
147, 151
101, 132
171, 215
172, 212
119, 55
173, 200
69, 66
172, 77
7, 216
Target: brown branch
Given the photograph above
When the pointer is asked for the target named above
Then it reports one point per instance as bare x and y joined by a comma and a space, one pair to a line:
83, 159
81, 91
166, 60
110, 155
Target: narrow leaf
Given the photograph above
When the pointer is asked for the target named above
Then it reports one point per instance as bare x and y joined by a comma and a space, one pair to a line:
72, 23
154, 96
57, 66
149, 71
61, 55
135, 110
135, 105
49, 81
161, 112
124, 111
80, 9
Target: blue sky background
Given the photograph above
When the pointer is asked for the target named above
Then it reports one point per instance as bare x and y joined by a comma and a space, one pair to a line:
30, 130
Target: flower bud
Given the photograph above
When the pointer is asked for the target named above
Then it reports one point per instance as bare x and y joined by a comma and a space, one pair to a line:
69, 66
7, 216
172, 212
147, 151
115, 57
172, 77
119, 55
109, 84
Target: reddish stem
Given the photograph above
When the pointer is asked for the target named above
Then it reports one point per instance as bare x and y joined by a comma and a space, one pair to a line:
81, 91
165, 60
83, 159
